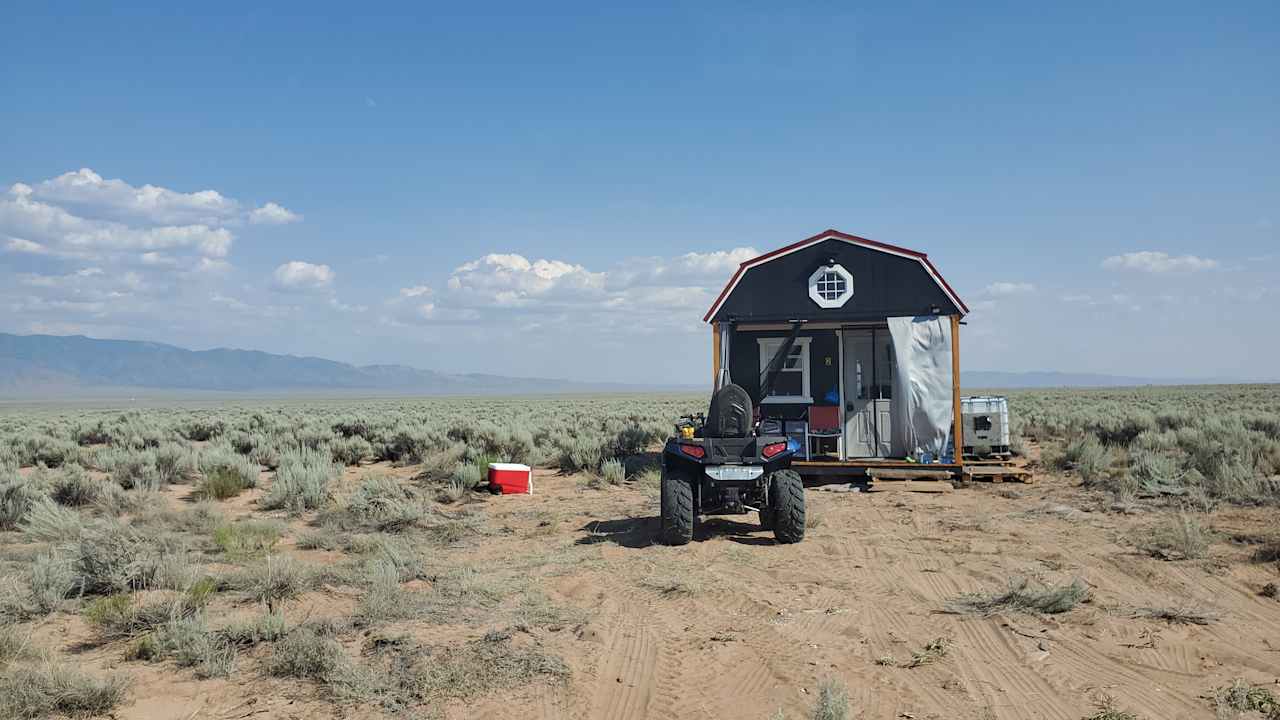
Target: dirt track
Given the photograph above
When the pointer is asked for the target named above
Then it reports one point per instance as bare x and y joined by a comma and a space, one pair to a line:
735, 626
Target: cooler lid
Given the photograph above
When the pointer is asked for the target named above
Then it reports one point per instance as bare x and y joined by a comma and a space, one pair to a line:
509, 466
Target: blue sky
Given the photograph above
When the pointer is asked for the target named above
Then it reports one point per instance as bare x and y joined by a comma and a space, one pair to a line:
1100, 184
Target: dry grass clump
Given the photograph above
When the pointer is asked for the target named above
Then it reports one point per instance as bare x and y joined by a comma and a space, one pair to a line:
1241, 697
1021, 596
1178, 615
248, 538
380, 503
1180, 538
832, 702
462, 671
277, 579
935, 650
308, 653
52, 689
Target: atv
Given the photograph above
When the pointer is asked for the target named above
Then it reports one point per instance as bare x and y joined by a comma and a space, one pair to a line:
721, 464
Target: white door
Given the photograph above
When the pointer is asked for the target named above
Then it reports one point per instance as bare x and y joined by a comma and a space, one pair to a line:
859, 408
868, 386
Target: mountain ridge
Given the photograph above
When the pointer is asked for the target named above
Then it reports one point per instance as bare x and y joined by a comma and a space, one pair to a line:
61, 365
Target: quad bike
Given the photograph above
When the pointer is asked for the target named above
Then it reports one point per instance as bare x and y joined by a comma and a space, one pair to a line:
720, 464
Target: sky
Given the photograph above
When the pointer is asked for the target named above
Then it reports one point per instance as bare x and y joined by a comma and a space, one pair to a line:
560, 190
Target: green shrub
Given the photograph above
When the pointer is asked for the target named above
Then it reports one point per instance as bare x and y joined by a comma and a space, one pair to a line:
51, 579
112, 557
307, 654
351, 450
613, 472
248, 538
176, 464
302, 481
220, 484
1179, 538
17, 495
47, 521
231, 469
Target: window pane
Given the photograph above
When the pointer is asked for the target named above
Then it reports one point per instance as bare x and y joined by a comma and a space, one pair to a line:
789, 383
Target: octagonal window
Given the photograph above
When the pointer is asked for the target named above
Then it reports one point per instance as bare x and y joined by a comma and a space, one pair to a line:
830, 286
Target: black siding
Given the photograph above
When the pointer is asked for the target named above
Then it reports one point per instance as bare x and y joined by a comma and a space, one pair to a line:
884, 285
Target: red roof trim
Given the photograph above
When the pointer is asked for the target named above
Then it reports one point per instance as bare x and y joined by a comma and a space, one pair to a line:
876, 245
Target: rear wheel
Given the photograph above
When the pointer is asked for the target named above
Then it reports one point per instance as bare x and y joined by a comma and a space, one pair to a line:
786, 500
677, 508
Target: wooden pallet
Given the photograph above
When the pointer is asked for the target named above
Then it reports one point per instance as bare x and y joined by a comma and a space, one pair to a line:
909, 480
997, 474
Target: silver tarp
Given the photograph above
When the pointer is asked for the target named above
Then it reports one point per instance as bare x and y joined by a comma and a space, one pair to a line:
922, 402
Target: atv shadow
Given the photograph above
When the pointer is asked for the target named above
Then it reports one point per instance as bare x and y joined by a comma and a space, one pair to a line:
642, 532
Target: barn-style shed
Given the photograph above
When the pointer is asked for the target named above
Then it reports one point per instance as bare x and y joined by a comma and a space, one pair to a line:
850, 346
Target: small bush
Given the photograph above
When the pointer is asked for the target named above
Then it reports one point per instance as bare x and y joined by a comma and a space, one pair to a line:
226, 473
220, 484
277, 579
302, 481
1177, 615
350, 451
74, 488
613, 472
268, 627
307, 654
1241, 696
383, 504
1020, 596
113, 558
176, 464
832, 702
1180, 538
190, 643
35, 692
46, 521
51, 579
17, 495
248, 538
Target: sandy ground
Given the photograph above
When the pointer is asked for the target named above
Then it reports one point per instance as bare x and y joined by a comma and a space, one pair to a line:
736, 626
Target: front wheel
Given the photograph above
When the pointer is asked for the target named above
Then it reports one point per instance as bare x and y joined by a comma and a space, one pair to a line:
786, 500
677, 508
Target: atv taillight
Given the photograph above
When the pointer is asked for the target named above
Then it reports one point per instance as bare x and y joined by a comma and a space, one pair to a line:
694, 451
773, 449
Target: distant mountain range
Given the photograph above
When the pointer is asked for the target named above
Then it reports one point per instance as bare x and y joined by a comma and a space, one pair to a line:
52, 365
34, 366
976, 379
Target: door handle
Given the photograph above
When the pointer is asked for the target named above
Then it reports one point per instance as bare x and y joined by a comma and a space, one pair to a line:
848, 407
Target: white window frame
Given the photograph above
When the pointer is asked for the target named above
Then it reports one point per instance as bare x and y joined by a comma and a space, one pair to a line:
836, 302
769, 346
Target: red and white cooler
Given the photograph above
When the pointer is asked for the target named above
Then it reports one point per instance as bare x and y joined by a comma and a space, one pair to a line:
511, 478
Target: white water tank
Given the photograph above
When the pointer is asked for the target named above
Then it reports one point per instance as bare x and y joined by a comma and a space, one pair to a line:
986, 424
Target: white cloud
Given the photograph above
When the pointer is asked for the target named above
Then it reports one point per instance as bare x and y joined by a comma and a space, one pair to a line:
1009, 288
299, 275
1158, 262
273, 214
415, 291
19, 245
87, 190
509, 280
